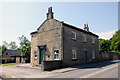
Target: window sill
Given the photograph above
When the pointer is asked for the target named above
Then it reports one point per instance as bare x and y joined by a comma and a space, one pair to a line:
73, 39
74, 59
56, 59
35, 58
93, 59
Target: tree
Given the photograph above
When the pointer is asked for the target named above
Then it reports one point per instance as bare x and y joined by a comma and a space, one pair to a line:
25, 47
104, 45
3, 48
5, 44
115, 42
13, 45
0, 51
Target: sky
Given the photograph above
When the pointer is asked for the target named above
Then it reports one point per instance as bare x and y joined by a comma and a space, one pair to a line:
22, 18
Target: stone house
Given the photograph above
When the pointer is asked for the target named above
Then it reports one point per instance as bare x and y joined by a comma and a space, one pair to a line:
56, 41
15, 55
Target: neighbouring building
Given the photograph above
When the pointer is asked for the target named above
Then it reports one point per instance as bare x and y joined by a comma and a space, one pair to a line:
55, 41
14, 55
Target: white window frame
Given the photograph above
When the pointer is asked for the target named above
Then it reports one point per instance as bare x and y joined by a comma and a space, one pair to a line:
55, 54
93, 54
84, 38
74, 34
74, 54
93, 40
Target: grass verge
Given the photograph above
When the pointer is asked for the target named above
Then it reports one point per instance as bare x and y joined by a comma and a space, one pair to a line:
12, 63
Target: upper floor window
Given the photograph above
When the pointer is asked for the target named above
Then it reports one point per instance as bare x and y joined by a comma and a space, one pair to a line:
93, 40
93, 54
73, 35
84, 38
56, 54
35, 54
74, 55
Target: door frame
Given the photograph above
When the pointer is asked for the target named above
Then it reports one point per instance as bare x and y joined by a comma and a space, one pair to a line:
41, 47
85, 56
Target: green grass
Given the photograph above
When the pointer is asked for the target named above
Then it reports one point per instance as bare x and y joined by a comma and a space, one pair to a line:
12, 63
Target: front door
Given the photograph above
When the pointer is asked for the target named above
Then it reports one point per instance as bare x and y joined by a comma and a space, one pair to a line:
20, 59
14, 59
85, 57
41, 54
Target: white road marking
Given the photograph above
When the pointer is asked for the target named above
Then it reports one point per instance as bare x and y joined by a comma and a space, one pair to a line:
97, 72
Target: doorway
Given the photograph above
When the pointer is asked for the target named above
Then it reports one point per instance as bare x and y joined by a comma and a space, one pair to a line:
41, 53
85, 57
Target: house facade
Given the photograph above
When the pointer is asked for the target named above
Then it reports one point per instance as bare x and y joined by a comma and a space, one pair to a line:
14, 55
55, 40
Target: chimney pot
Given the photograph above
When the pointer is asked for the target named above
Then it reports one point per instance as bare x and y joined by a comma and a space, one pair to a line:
50, 13
86, 28
84, 25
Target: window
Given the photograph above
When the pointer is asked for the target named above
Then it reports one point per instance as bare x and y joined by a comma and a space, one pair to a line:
73, 35
93, 54
56, 54
84, 38
93, 41
6, 53
74, 56
35, 54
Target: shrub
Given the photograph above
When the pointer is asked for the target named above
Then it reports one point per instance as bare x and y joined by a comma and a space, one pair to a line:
3, 60
9, 61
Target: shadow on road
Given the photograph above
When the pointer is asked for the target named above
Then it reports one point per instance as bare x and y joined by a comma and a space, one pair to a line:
96, 65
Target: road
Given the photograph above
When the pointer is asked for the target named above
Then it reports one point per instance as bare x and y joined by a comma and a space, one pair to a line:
107, 69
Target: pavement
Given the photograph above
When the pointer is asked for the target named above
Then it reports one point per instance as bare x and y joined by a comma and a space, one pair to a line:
53, 71
28, 65
62, 70
89, 70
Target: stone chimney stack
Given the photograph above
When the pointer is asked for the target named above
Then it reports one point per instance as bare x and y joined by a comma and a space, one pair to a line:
86, 28
50, 13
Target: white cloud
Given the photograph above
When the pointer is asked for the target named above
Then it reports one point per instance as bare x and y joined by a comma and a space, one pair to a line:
106, 35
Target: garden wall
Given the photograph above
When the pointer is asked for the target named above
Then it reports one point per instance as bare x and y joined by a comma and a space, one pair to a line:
109, 56
50, 65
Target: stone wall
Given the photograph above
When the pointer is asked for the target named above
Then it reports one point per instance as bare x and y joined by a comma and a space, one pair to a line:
79, 45
34, 61
50, 65
48, 34
109, 56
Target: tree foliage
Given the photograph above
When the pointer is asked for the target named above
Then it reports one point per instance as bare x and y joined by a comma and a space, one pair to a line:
112, 45
104, 45
0, 51
12, 45
25, 47
115, 42
5, 44
3, 48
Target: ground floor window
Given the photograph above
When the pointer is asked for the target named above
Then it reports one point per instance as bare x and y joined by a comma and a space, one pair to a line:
56, 54
74, 55
35, 54
93, 54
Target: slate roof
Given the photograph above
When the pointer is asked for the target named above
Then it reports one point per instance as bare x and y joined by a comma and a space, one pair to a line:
14, 51
67, 25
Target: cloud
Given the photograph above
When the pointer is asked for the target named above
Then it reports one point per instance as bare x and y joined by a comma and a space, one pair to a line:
106, 35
